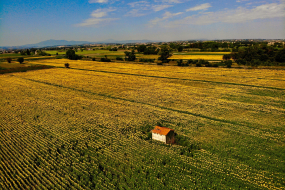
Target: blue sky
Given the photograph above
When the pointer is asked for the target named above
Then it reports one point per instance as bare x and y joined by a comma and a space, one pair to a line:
26, 22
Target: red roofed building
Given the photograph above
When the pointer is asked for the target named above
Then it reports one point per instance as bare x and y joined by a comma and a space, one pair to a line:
163, 134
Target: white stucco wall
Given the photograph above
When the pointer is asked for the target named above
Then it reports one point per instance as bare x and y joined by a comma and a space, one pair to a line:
159, 137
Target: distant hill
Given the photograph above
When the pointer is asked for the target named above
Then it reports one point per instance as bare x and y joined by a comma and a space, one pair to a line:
58, 43
50, 43
111, 41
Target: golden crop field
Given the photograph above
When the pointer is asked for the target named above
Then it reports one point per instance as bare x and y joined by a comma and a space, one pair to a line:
205, 57
201, 53
87, 127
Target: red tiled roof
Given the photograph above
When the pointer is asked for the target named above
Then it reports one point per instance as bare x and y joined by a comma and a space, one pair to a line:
161, 130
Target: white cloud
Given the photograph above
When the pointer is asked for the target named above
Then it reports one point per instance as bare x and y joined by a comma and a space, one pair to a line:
96, 21
238, 15
169, 15
142, 8
239, 1
139, 4
160, 7
98, 1
101, 12
166, 15
97, 18
204, 6
135, 13
168, 1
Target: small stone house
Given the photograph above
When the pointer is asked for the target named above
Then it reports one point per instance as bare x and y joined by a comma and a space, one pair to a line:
163, 134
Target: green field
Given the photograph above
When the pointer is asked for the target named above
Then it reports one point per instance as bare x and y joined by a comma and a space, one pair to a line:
87, 127
113, 54
5, 55
91, 52
109, 54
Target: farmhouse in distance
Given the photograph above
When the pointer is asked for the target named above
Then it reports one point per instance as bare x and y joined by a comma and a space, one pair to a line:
163, 134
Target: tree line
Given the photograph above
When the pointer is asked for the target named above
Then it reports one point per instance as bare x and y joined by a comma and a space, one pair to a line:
255, 56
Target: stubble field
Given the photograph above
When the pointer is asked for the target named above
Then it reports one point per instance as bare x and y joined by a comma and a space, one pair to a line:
87, 127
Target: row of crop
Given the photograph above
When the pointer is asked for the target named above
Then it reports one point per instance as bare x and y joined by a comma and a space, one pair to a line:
27, 143
197, 73
112, 136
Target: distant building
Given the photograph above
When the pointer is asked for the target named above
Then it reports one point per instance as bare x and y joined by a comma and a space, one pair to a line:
163, 134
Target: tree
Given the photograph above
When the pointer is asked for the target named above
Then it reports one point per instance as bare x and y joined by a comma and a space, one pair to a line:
263, 57
164, 53
173, 46
241, 62
66, 65
70, 54
42, 53
179, 62
130, 56
190, 61
180, 48
280, 56
255, 62
234, 56
227, 57
151, 50
225, 45
33, 50
229, 63
141, 48
105, 59
113, 49
28, 52
20, 60
9, 60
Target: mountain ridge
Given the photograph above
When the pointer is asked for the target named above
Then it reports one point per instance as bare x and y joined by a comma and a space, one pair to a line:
51, 43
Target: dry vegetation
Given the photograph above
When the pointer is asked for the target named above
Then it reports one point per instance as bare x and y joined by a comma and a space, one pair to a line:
87, 127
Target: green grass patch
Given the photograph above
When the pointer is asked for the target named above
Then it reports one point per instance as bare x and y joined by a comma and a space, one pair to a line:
53, 52
267, 92
10, 55
24, 69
